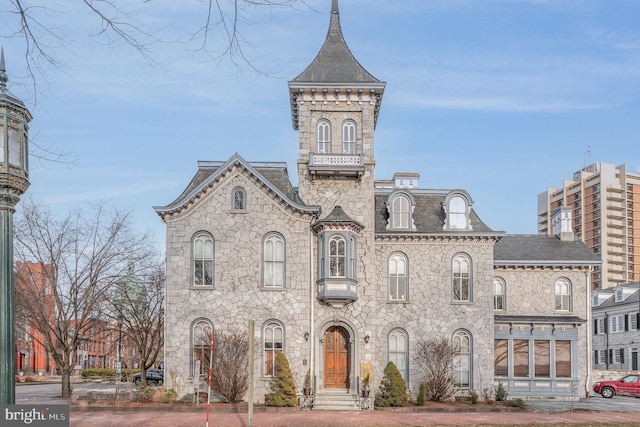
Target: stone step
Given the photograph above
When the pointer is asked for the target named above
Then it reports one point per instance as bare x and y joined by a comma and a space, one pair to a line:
336, 401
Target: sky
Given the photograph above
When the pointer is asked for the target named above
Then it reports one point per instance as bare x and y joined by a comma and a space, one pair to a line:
503, 98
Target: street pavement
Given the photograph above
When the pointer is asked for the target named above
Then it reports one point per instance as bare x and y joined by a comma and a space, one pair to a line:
593, 411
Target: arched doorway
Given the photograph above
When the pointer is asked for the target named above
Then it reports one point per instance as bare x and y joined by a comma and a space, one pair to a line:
336, 358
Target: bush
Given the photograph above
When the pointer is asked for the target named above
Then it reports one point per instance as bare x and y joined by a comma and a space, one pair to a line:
170, 395
433, 357
144, 394
282, 385
473, 396
421, 395
88, 373
515, 403
501, 393
393, 390
29, 380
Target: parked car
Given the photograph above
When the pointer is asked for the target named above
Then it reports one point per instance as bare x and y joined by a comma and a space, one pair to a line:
154, 377
625, 386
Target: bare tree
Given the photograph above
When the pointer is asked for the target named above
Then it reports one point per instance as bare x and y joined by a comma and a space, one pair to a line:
217, 30
434, 358
77, 259
230, 372
139, 299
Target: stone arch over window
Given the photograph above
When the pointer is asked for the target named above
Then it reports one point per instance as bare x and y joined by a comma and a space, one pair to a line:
349, 137
202, 255
273, 340
399, 351
273, 261
201, 330
239, 199
463, 355
462, 278
323, 136
398, 277
457, 206
499, 294
563, 297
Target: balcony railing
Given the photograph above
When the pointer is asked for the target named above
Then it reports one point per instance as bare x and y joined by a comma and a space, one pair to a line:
336, 164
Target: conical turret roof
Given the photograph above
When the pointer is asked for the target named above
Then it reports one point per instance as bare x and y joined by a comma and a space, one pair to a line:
335, 63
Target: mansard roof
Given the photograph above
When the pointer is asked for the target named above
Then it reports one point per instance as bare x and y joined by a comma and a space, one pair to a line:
542, 250
335, 63
428, 214
273, 175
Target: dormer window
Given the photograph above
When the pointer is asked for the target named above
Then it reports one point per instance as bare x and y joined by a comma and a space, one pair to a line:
457, 207
619, 294
349, 137
594, 299
400, 207
323, 136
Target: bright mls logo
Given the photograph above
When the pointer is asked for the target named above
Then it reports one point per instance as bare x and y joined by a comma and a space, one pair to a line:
35, 415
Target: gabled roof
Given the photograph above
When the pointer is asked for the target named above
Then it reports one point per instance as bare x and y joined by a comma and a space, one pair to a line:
542, 249
335, 63
273, 175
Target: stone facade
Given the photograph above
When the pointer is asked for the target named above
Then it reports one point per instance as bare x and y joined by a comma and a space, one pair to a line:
345, 273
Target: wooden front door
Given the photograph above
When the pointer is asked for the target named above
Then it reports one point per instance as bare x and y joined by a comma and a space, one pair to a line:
336, 358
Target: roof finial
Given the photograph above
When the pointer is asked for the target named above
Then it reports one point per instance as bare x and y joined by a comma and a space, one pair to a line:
334, 6
3, 71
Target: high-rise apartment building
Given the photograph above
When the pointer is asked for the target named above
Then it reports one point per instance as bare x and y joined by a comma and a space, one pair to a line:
606, 215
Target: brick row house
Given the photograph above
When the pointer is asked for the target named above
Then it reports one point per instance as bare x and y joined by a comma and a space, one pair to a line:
343, 273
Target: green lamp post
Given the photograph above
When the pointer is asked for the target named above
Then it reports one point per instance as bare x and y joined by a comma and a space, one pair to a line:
14, 181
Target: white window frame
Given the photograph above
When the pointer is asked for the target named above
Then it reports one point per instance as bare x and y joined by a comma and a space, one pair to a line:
337, 256
273, 261
616, 323
201, 330
461, 278
562, 295
399, 352
499, 294
401, 212
273, 339
202, 260
398, 277
323, 136
462, 360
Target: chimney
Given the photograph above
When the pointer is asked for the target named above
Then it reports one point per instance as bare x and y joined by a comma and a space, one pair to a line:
561, 220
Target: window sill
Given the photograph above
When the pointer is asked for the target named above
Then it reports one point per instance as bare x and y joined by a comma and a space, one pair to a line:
202, 288
398, 301
238, 211
272, 289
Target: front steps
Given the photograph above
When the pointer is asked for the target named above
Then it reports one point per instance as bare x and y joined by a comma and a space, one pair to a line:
336, 400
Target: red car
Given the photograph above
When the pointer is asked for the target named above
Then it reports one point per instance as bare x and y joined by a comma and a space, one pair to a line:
625, 386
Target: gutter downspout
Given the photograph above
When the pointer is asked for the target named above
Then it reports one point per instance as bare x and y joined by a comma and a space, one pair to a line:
312, 308
588, 330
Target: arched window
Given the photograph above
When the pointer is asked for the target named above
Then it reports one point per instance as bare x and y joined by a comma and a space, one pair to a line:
398, 277
462, 359
563, 295
239, 199
461, 268
400, 212
499, 294
202, 259
323, 136
273, 260
273, 343
457, 207
398, 352
201, 331
337, 257
349, 137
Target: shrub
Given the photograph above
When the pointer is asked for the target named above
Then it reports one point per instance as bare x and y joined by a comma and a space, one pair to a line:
501, 393
144, 394
516, 403
29, 380
473, 396
88, 373
393, 390
170, 395
433, 357
282, 385
421, 395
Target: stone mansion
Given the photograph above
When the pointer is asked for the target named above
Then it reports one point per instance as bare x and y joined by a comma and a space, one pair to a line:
344, 272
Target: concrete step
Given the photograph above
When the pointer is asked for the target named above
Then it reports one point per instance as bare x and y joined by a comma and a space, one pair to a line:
333, 400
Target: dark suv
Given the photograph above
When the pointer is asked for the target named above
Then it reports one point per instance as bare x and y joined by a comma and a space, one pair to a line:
154, 377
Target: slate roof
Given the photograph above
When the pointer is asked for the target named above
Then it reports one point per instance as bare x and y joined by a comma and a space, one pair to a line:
273, 174
335, 63
542, 249
428, 215
632, 299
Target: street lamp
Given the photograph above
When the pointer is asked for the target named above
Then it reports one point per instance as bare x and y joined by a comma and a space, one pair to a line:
14, 181
119, 364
